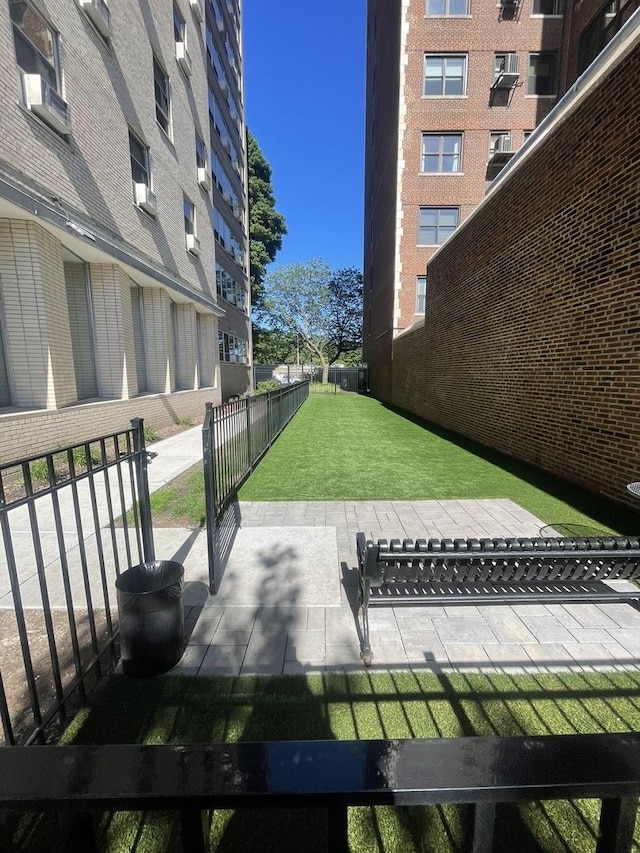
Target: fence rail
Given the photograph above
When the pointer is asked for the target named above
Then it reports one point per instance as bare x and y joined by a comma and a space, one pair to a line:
235, 436
66, 536
354, 379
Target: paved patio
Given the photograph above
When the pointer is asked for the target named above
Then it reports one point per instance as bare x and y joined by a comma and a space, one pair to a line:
286, 601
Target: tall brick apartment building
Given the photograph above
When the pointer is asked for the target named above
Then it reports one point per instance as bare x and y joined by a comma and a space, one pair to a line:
123, 215
529, 337
454, 88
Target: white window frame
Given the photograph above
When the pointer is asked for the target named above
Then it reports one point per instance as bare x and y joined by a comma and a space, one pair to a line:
558, 9
494, 136
444, 58
157, 66
145, 165
189, 211
447, 13
50, 71
441, 153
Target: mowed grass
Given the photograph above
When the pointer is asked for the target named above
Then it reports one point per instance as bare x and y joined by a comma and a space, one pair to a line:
347, 447
419, 704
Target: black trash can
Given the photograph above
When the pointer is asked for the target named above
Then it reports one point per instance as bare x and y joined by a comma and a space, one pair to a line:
151, 617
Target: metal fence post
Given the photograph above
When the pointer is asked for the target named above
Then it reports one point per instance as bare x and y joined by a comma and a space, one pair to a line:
142, 480
208, 427
248, 409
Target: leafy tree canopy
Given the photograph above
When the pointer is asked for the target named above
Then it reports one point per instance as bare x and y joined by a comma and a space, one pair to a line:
266, 226
320, 308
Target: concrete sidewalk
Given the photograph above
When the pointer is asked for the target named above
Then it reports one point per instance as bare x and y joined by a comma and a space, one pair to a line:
286, 599
286, 602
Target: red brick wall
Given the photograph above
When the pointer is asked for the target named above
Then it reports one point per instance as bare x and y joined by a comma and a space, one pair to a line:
532, 336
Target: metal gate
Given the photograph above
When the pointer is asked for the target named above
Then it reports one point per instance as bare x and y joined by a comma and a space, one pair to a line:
71, 520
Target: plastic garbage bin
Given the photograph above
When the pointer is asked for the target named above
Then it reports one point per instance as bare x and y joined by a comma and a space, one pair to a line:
151, 617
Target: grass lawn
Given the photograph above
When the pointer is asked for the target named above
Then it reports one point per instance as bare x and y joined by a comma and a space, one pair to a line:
367, 705
347, 447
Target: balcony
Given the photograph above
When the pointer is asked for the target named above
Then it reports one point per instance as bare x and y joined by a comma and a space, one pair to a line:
98, 13
145, 199
43, 100
182, 55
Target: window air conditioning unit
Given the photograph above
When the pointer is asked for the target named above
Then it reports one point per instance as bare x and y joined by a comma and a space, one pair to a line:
226, 143
220, 24
502, 153
196, 8
226, 195
502, 145
203, 178
145, 199
224, 86
193, 244
182, 55
43, 100
509, 73
98, 13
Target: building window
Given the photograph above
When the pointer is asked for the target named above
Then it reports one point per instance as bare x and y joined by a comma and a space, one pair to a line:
602, 29
499, 141
548, 7
179, 29
201, 154
441, 152
5, 388
526, 134
445, 75
447, 8
232, 349
189, 217
163, 97
541, 79
436, 224
229, 289
421, 293
36, 44
140, 171
137, 319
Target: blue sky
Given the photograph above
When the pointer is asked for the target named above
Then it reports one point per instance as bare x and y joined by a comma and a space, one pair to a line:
304, 92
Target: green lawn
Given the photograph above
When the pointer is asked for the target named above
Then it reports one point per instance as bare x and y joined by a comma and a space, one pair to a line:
346, 447
367, 705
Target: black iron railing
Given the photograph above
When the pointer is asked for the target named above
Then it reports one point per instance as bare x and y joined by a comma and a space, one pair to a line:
71, 520
476, 773
235, 436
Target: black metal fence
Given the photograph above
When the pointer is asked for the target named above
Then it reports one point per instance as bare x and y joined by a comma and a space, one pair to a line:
235, 436
353, 379
71, 520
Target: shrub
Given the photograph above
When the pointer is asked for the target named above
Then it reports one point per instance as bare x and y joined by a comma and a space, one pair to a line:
150, 433
268, 385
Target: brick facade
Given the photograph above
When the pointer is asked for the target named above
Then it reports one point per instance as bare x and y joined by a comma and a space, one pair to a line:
531, 341
398, 114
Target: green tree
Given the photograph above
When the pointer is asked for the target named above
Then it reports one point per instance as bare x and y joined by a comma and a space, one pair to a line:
320, 310
266, 226
296, 300
345, 309
273, 346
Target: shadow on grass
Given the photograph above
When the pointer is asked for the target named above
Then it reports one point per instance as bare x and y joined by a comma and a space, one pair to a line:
607, 512
425, 702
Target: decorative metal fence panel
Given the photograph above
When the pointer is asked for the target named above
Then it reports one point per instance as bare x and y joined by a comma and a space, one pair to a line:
354, 379
235, 436
71, 520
